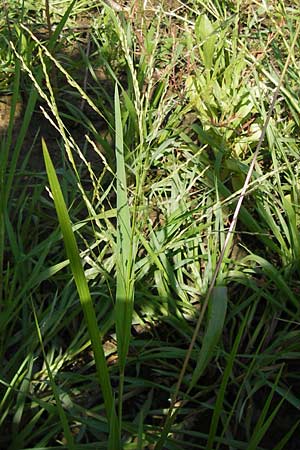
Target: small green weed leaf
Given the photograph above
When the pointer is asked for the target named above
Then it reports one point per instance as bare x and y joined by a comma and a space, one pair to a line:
216, 317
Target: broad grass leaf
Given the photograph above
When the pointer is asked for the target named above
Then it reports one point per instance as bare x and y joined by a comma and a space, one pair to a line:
216, 317
124, 292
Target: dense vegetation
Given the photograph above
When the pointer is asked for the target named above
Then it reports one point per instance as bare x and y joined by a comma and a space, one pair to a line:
149, 229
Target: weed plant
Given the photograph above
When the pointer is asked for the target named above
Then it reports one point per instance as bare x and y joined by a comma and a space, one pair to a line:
149, 232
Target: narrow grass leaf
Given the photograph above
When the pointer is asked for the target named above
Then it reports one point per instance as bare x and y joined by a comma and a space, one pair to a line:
81, 284
61, 412
58, 29
263, 424
222, 391
21, 399
11, 387
273, 273
216, 317
141, 419
282, 443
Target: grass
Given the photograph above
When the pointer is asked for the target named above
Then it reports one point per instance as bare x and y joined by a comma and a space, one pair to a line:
149, 232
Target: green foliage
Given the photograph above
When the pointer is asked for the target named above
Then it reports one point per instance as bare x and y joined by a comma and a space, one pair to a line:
149, 116
81, 284
216, 317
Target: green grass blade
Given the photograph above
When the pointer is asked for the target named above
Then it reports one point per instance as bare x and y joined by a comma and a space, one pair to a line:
274, 274
216, 317
124, 291
124, 295
263, 424
21, 400
58, 29
81, 284
61, 412
221, 394
282, 443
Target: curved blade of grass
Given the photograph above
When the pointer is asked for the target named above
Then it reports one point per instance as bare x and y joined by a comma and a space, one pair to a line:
263, 424
6, 396
221, 394
58, 29
275, 276
61, 412
21, 400
216, 316
81, 284
282, 443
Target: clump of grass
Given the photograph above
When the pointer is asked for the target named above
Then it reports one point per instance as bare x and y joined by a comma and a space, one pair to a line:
110, 251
